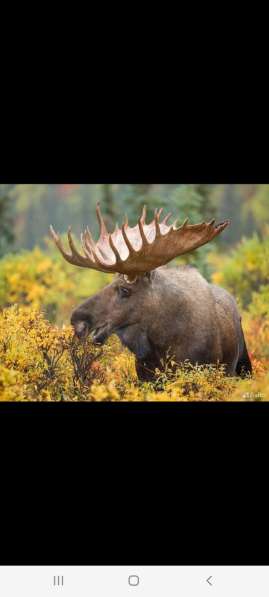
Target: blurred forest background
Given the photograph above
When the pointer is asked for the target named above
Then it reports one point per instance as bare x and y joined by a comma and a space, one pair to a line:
27, 210
35, 279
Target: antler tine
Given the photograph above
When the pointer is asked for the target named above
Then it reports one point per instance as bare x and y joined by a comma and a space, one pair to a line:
166, 218
103, 229
59, 244
128, 243
86, 247
141, 223
126, 239
74, 258
55, 236
156, 220
89, 239
74, 251
142, 233
87, 261
91, 246
103, 266
222, 225
114, 249
143, 215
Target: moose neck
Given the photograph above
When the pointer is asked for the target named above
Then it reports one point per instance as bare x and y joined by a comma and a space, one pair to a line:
164, 314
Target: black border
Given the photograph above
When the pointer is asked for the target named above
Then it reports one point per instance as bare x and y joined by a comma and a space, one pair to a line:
214, 146
134, 483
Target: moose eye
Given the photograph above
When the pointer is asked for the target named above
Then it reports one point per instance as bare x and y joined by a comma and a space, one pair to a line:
124, 292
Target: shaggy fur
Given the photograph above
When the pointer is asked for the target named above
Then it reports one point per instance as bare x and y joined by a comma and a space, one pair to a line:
169, 309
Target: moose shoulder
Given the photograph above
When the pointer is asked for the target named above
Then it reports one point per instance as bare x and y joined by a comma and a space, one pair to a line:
153, 308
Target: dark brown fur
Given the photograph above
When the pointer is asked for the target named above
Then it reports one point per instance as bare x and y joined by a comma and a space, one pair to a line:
169, 309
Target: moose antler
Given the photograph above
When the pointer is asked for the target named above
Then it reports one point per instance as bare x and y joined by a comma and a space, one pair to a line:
136, 250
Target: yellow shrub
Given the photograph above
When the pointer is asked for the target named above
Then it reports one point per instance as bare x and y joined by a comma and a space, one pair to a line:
11, 384
43, 362
252, 390
245, 270
257, 337
46, 281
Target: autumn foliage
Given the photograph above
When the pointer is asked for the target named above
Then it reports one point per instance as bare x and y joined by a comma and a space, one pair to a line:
41, 361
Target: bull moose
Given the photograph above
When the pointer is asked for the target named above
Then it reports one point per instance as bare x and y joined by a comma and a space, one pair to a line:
153, 308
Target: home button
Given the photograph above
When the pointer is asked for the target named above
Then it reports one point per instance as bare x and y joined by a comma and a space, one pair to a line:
133, 580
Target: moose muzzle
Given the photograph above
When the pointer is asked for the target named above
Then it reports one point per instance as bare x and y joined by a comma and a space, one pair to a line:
81, 328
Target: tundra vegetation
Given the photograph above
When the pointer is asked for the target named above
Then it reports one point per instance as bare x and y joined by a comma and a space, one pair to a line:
42, 360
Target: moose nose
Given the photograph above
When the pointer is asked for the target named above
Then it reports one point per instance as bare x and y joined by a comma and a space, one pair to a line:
81, 321
81, 328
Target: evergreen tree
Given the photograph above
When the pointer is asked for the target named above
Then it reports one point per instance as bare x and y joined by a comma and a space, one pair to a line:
190, 202
108, 206
6, 220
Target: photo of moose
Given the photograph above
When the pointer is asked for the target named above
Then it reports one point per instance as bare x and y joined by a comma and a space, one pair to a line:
157, 293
